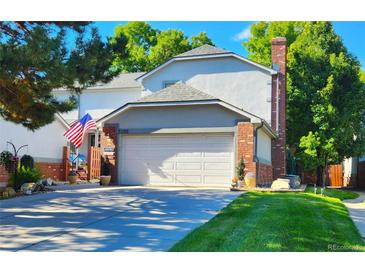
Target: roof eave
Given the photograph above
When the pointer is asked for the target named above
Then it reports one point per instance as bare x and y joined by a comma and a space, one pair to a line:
204, 56
253, 118
147, 104
62, 120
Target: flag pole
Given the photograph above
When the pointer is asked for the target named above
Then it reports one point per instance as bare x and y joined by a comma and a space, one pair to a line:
79, 117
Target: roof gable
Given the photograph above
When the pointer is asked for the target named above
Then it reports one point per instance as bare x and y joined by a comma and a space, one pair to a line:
204, 52
178, 92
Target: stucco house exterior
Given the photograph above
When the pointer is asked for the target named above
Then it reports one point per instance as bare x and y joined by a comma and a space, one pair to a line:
45, 145
188, 121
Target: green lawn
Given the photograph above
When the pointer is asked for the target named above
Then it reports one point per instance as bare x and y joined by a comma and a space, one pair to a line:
268, 221
335, 193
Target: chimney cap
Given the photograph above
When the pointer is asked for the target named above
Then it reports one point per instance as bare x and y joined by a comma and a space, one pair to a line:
278, 41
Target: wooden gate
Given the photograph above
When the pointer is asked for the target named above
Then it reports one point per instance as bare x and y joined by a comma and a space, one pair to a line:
335, 175
93, 163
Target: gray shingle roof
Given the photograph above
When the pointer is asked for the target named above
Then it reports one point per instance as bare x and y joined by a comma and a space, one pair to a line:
203, 50
178, 92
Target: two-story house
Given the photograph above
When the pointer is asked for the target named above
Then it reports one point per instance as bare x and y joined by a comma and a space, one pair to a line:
188, 121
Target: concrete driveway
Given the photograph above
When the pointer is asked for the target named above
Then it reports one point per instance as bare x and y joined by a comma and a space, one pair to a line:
106, 219
356, 208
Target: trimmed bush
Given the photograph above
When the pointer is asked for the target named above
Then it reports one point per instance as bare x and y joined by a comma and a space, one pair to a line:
6, 160
27, 161
24, 175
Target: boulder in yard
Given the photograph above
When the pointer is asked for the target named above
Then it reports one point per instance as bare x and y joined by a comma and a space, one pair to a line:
28, 188
7, 192
49, 182
11, 191
281, 184
294, 180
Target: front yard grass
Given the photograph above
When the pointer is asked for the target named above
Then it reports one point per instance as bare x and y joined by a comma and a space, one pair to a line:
268, 221
335, 193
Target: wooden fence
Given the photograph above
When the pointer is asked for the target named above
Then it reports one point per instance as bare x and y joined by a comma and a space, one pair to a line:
94, 163
335, 174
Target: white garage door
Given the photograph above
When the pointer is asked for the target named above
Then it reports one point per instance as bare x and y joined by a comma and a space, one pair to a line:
184, 159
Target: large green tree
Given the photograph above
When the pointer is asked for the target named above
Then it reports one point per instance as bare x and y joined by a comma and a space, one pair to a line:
138, 38
169, 43
147, 47
362, 76
36, 58
325, 97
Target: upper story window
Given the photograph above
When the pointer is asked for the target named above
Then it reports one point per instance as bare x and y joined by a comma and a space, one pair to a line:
166, 84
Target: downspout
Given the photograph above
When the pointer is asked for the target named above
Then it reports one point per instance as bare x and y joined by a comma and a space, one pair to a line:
256, 159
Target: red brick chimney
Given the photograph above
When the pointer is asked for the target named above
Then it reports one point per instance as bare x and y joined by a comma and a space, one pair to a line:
278, 107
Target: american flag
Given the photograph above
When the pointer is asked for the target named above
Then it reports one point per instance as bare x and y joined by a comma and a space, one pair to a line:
76, 133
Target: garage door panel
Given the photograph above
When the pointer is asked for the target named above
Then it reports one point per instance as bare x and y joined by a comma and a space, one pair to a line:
187, 153
217, 154
188, 179
193, 159
163, 166
163, 141
135, 178
161, 179
218, 166
189, 166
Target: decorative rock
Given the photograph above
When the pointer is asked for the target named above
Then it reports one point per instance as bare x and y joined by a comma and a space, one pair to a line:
294, 181
28, 186
50, 182
11, 192
280, 184
7, 192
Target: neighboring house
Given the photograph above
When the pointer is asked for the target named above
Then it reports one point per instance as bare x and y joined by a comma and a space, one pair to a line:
45, 145
188, 121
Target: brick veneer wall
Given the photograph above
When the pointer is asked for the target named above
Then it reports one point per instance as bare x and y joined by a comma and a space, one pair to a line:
265, 173
278, 53
56, 171
3, 174
110, 133
245, 145
246, 149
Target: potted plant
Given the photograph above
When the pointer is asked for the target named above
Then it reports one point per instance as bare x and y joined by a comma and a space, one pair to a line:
105, 173
240, 169
234, 182
72, 177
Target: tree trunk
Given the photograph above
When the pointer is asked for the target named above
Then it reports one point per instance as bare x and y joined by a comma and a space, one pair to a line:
324, 178
319, 176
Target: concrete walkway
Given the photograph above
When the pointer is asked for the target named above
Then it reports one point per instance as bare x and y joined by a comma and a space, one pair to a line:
107, 219
356, 208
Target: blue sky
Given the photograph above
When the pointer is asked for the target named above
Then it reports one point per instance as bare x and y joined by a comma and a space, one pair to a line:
229, 35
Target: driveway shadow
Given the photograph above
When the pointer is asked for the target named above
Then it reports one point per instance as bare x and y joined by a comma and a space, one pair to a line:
120, 219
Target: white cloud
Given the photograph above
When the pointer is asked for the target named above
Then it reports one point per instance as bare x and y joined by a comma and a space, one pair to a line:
243, 35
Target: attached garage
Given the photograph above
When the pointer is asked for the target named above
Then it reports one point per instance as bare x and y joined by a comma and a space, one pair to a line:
181, 159
180, 136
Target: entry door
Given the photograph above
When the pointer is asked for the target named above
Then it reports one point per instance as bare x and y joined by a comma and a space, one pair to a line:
183, 160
